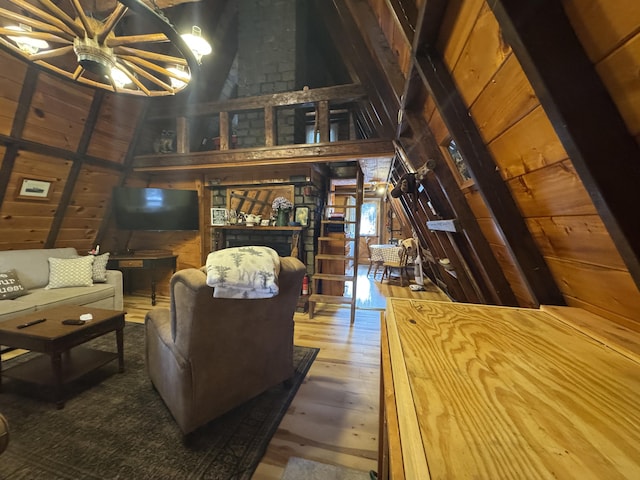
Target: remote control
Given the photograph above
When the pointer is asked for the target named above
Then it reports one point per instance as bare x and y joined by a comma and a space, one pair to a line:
73, 321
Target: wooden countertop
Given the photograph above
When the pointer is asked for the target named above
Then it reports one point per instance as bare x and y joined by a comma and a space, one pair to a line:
488, 392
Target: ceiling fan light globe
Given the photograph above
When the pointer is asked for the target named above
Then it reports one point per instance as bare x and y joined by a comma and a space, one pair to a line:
26, 44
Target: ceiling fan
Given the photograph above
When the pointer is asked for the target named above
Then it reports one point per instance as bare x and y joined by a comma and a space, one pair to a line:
123, 46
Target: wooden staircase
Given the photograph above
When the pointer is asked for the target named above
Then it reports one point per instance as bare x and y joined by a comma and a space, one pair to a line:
336, 249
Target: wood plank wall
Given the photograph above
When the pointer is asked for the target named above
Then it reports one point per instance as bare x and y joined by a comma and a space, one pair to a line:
530, 156
70, 135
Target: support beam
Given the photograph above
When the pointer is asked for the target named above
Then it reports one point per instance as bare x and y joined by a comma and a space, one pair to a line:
277, 155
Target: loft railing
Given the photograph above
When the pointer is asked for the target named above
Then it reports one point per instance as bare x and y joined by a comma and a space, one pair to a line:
321, 100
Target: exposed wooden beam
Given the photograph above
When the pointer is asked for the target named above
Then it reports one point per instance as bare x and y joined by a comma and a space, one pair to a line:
430, 19
584, 116
59, 152
405, 14
19, 119
375, 39
277, 155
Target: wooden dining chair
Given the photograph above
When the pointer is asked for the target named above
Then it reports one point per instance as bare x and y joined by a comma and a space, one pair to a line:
372, 262
400, 265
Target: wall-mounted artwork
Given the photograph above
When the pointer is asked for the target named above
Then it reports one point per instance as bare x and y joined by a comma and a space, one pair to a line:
218, 216
460, 168
34, 189
302, 216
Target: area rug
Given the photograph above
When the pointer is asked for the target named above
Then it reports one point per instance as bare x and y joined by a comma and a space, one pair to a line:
115, 426
302, 469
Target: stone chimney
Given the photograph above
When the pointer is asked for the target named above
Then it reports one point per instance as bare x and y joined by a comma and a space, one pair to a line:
266, 63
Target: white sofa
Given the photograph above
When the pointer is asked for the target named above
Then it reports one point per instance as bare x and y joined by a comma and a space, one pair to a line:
32, 268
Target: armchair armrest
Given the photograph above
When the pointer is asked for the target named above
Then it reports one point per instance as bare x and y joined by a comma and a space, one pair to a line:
114, 277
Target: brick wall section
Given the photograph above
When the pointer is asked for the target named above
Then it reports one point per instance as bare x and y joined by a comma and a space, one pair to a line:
266, 63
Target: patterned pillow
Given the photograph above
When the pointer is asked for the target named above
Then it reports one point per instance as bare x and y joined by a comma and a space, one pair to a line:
70, 272
10, 286
100, 268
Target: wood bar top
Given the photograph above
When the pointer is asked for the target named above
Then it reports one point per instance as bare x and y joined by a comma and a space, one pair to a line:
488, 392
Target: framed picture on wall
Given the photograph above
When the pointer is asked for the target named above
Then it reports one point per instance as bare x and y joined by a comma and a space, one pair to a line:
301, 216
457, 163
34, 189
218, 216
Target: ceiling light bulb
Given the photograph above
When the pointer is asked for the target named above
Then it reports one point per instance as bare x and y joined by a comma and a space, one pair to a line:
119, 77
198, 45
27, 44
183, 79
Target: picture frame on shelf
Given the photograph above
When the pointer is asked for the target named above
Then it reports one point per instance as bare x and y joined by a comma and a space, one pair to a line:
301, 216
219, 216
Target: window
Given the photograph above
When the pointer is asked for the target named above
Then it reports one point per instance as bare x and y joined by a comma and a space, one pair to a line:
369, 218
314, 137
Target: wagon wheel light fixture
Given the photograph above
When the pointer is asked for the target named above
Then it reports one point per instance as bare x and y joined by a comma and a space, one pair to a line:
89, 47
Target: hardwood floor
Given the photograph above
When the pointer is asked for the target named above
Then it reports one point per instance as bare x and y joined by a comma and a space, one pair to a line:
334, 417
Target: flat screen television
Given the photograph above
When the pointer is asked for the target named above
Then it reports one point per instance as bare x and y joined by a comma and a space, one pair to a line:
155, 209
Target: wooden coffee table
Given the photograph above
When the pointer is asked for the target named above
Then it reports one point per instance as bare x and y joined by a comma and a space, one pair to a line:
61, 343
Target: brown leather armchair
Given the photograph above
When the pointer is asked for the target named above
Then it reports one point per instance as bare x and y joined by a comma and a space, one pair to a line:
207, 355
4, 433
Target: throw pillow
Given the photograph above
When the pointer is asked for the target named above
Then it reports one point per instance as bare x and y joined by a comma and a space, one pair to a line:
10, 286
100, 268
70, 272
243, 272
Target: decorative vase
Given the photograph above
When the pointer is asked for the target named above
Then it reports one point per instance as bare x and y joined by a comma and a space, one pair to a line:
282, 220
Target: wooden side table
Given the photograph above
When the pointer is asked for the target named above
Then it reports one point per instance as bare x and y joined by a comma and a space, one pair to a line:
144, 260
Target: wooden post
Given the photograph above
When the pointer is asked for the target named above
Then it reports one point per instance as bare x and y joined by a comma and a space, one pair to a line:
224, 130
323, 120
270, 126
182, 135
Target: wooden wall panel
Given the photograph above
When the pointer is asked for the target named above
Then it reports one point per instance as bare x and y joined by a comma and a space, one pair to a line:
115, 126
603, 25
619, 72
26, 223
578, 238
12, 76
555, 190
607, 289
393, 34
558, 211
512, 274
458, 23
58, 112
88, 205
505, 100
484, 54
517, 152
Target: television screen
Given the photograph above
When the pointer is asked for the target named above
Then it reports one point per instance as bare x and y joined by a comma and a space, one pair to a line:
155, 209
